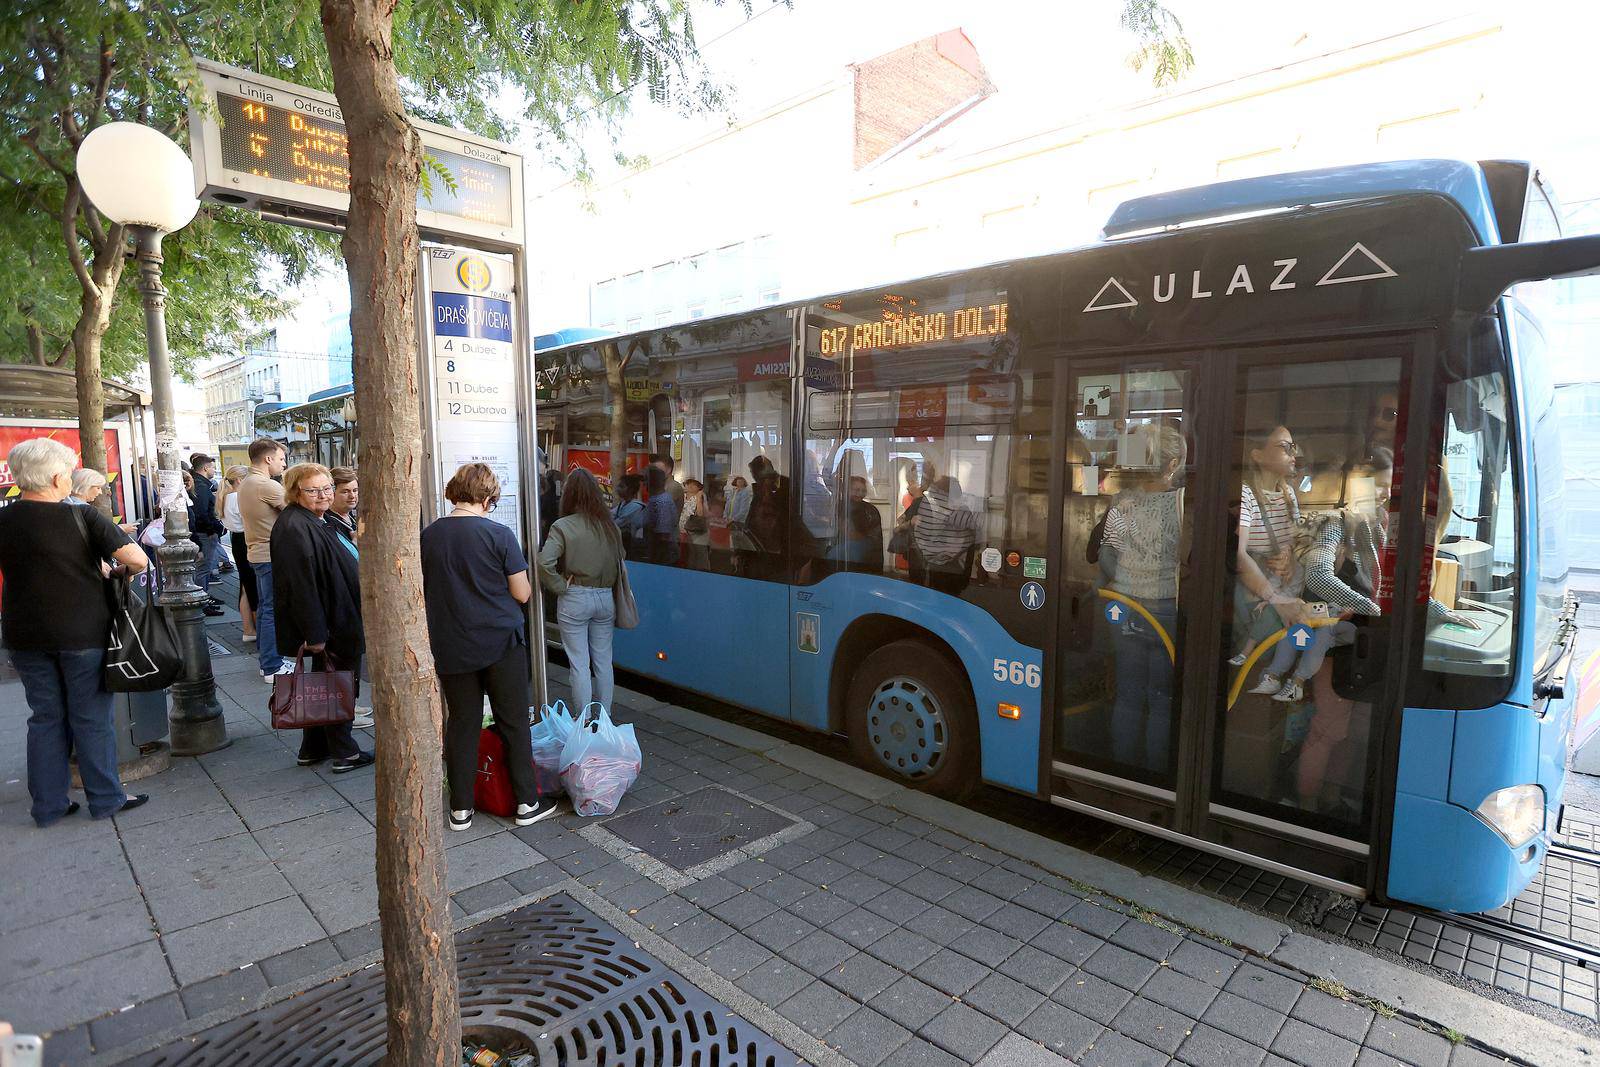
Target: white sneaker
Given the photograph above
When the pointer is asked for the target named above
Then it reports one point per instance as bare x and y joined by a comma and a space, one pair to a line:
528, 814
1291, 693
363, 719
1238, 660
248, 639
461, 820
287, 668
1270, 683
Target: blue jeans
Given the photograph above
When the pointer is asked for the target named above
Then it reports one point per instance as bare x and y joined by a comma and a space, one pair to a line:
71, 710
1141, 723
587, 617
266, 626
205, 567
1311, 657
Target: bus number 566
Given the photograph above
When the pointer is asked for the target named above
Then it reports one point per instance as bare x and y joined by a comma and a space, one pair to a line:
1017, 673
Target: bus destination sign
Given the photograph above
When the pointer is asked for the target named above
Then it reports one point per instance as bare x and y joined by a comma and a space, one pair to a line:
284, 150
311, 150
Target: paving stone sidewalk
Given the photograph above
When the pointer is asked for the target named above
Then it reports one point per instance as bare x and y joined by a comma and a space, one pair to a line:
855, 933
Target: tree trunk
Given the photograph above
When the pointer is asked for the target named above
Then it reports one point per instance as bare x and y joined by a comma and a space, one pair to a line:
618, 386
380, 249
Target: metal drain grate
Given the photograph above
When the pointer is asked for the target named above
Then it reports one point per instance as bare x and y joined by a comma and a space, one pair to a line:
688, 831
218, 648
550, 978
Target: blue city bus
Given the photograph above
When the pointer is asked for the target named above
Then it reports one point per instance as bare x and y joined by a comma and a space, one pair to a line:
1242, 526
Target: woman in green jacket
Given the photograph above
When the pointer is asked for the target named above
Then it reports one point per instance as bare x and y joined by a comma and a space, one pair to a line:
579, 564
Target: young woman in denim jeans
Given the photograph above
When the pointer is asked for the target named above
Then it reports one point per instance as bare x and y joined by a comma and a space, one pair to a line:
579, 564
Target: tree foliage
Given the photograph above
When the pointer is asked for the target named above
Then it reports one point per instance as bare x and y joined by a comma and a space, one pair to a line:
1159, 41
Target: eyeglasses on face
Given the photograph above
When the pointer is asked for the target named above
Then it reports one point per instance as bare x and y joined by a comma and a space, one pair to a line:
317, 490
1289, 448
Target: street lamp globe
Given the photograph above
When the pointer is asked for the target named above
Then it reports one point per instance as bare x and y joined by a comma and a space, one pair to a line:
137, 176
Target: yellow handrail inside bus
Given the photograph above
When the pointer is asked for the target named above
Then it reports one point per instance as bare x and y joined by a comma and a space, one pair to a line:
1268, 642
1161, 631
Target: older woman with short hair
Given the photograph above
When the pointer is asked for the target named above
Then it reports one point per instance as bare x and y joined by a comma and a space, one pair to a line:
87, 485
316, 593
55, 617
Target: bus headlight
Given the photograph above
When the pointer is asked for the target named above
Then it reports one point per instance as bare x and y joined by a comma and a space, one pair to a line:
1516, 813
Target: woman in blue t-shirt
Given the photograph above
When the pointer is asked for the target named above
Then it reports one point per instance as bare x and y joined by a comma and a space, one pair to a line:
474, 584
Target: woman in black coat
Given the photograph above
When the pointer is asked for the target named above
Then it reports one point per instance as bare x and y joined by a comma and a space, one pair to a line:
316, 591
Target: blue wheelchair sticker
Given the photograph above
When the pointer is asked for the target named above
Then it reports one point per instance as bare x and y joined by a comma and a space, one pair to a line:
1031, 595
1300, 637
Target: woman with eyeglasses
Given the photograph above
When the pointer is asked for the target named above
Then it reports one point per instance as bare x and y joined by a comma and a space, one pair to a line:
1267, 595
316, 595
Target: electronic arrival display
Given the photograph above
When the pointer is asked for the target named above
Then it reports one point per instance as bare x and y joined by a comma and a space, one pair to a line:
305, 149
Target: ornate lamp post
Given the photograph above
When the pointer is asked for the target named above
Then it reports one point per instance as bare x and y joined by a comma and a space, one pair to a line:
138, 177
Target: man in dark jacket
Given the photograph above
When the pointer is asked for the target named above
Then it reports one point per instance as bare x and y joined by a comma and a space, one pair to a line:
205, 526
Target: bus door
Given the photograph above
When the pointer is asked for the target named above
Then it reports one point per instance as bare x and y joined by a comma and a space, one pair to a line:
1126, 534
1228, 536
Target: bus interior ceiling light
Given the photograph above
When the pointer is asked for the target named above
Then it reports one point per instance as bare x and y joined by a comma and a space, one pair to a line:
1516, 813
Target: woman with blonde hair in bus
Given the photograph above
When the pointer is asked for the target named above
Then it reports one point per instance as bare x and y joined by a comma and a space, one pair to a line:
233, 522
579, 564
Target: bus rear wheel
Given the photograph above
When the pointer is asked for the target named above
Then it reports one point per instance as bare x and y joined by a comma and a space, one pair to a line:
908, 716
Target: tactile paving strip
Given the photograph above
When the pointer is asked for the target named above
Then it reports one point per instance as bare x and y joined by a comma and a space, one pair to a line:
550, 978
1236, 882
1579, 829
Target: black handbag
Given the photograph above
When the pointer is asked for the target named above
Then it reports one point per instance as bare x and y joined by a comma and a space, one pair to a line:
142, 651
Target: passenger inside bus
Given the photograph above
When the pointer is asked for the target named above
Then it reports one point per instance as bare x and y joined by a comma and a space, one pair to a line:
1139, 554
1266, 596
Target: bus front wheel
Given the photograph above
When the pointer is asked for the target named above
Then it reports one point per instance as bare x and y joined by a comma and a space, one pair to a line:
908, 715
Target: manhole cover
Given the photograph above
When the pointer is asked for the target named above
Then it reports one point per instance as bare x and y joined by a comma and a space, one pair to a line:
688, 831
551, 977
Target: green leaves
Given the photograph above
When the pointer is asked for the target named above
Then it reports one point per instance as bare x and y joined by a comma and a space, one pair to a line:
1160, 43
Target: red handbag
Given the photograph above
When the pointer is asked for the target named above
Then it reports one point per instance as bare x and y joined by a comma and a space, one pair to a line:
491, 789
312, 698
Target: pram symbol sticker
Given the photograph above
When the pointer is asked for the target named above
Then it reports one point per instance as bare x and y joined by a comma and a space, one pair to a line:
1031, 595
1300, 636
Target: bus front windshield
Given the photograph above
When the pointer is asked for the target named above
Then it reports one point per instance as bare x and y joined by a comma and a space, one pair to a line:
1472, 611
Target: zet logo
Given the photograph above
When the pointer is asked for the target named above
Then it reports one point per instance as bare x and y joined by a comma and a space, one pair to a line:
473, 273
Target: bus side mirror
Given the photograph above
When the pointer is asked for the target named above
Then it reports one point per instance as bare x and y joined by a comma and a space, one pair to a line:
1489, 270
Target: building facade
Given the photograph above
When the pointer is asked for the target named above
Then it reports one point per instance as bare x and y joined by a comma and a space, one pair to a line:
263, 373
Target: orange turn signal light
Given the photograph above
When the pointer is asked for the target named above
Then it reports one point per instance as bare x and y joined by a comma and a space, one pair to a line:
1010, 711
661, 656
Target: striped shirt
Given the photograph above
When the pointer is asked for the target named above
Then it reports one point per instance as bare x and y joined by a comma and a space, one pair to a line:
1274, 535
944, 531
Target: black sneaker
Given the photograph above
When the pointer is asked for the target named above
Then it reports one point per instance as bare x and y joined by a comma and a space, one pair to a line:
311, 761
213, 610
461, 820
138, 800
542, 808
359, 760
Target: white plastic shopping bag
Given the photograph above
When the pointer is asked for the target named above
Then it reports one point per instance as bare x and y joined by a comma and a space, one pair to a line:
550, 733
600, 762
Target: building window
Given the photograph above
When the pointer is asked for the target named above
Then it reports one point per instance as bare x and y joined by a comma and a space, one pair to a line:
664, 292
697, 284
633, 300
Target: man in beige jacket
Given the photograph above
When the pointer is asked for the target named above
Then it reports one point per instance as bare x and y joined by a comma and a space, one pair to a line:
260, 500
